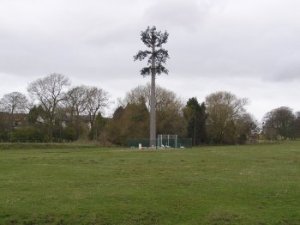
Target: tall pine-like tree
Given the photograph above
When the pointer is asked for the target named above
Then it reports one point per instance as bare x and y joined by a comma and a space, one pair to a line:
195, 115
156, 58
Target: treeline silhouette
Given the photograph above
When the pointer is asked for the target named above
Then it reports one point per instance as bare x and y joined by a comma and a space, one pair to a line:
57, 112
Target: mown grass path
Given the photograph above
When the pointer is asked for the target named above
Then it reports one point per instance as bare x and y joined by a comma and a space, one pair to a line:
257, 184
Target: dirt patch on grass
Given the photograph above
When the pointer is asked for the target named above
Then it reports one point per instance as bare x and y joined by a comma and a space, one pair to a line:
223, 218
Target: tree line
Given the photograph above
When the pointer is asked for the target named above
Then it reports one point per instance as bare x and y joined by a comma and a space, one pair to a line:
56, 112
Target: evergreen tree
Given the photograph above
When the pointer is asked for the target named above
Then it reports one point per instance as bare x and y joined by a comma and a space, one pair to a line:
156, 57
195, 115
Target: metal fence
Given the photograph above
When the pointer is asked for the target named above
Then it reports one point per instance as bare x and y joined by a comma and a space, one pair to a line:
145, 143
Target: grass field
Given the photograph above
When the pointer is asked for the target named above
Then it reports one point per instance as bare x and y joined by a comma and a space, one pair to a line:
255, 185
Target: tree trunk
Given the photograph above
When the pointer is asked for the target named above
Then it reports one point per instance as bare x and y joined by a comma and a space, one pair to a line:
152, 112
153, 105
11, 120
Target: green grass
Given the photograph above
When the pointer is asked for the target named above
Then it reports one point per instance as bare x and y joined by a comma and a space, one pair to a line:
253, 185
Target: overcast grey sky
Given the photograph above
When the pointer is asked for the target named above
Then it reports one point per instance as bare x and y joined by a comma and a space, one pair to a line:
250, 48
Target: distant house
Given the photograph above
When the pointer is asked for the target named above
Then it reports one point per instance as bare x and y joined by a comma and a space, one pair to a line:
40, 120
20, 120
17, 120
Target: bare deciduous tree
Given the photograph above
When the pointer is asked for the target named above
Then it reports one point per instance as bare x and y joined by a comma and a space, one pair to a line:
168, 107
49, 92
75, 102
96, 101
279, 123
76, 99
14, 102
164, 98
223, 109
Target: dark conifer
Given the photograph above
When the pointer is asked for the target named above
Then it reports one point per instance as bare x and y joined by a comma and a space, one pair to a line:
156, 58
